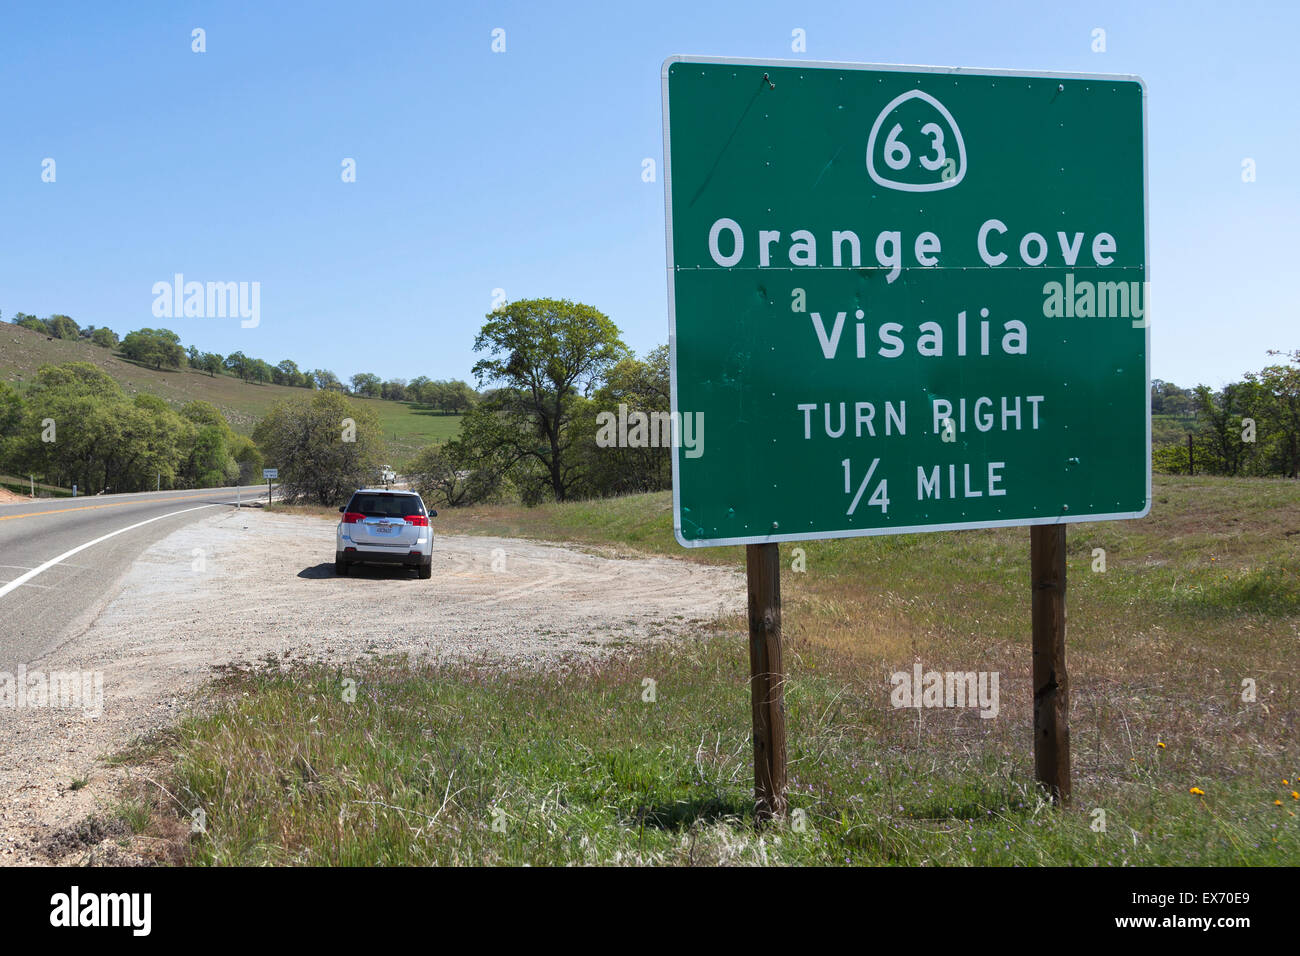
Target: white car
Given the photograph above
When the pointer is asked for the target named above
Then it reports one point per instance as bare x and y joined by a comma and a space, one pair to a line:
380, 526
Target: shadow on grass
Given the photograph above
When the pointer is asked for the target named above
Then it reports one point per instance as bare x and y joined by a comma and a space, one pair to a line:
420, 409
682, 814
970, 805
147, 367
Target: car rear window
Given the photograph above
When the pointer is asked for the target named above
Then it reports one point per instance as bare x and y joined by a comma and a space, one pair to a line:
386, 506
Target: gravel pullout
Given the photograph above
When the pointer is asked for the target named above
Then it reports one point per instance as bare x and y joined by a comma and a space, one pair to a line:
241, 585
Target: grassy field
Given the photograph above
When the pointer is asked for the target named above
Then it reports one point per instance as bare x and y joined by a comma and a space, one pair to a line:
408, 427
468, 764
24, 486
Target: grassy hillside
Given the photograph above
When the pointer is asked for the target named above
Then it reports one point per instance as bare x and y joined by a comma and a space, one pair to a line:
408, 427
1199, 597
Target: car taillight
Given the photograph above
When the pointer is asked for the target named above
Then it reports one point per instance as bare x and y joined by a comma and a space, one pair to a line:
352, 517
420, 521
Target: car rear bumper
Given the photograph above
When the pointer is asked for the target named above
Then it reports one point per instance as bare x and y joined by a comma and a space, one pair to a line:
364, 556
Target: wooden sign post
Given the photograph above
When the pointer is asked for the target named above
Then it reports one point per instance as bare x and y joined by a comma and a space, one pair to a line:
766, 679
1051, 685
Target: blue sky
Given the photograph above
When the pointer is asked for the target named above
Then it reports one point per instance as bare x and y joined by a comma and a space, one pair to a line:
522, 170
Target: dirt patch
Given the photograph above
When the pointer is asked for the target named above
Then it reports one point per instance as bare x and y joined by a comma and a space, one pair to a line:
7, 497
89, 832
241, 587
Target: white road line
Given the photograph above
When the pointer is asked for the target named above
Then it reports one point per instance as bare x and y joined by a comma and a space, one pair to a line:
24, 578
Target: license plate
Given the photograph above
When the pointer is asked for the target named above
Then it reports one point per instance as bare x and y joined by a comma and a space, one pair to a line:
384, 529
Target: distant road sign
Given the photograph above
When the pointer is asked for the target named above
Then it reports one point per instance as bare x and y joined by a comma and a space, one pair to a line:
904, 298
269, 473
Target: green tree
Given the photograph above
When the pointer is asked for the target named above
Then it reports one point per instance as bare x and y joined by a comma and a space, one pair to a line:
210, 459
157, 347
237, 363
1219, 447
415, 389
457, 396
1169, 399
545, 354
63, 327
248, 458
366, 384
440, 478
324, 445
1279, 387
80, 427
151, 443
31, 322
78, 378
632, 388
438, 395
325, 379
11, 417
472, 468
287, 373
104, 337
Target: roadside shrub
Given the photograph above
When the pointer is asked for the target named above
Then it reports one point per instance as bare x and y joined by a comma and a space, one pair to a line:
324, 446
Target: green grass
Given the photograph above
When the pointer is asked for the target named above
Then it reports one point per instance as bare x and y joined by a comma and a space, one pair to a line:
472, 766
23, 486
641, 522
1199, 597
410, 426
407, 426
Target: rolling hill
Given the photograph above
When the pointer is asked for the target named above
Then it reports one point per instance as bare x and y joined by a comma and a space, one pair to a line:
408, 426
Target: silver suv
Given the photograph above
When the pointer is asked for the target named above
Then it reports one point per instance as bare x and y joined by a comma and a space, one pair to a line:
385, 527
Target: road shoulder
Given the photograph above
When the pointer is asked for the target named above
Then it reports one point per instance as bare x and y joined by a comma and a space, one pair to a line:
243, 586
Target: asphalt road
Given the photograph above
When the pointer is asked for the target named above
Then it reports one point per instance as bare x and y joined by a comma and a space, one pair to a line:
40, 609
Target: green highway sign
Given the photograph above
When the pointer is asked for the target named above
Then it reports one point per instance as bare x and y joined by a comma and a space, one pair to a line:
904, 298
